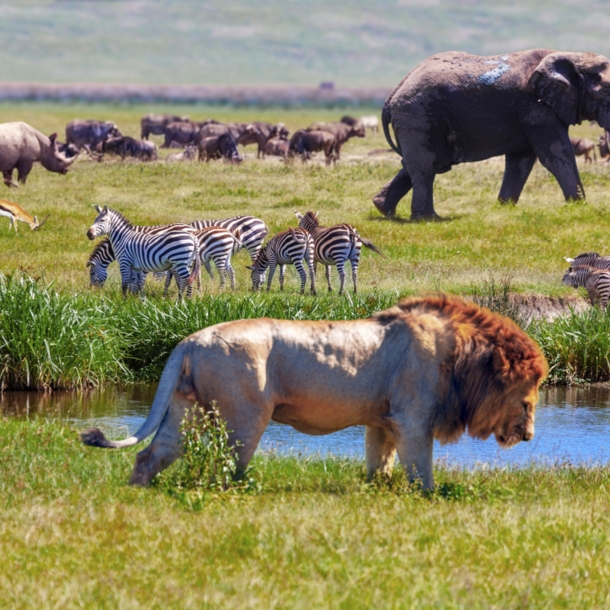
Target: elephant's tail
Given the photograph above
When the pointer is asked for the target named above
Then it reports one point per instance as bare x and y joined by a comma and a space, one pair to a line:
386, 117
173, 374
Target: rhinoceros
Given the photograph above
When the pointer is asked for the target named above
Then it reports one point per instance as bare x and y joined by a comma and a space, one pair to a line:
21, 146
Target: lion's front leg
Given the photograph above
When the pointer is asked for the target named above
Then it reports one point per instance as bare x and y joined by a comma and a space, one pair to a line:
380, 451
415, 454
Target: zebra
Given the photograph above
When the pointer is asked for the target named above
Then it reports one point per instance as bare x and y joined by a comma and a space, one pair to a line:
215, 244
103, 255
285, 248
171, 250
252, 231
596, 281
593, 259
335, 246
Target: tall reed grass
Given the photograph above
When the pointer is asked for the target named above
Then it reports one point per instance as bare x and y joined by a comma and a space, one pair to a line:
52, 340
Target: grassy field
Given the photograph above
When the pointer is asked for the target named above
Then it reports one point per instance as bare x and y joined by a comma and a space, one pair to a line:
309, 533
351, 42
481, 239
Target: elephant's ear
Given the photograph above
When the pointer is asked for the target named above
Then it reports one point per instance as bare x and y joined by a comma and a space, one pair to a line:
558, 83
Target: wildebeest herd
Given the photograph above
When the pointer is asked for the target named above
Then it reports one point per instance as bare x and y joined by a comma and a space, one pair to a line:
210, 139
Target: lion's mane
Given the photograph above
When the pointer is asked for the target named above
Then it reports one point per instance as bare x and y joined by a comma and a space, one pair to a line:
489, 356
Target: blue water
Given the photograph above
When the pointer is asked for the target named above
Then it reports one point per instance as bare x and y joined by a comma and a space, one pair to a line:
572, 425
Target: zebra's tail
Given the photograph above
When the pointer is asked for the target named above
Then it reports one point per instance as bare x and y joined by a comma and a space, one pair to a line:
196, 260
172, 375
367, 242
238, 243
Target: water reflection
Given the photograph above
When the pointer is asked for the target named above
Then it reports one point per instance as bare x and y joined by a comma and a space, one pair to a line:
572, 424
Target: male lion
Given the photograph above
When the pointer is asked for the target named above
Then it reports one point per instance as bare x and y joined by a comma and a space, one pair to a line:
426, 368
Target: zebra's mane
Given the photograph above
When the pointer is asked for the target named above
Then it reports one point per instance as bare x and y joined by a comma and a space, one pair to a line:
104, 244
126, 223
591, 254
312, 216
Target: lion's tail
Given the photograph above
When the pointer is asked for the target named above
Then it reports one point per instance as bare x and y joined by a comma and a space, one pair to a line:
172, 374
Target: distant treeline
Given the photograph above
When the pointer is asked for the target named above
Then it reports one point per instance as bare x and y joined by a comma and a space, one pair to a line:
326, 94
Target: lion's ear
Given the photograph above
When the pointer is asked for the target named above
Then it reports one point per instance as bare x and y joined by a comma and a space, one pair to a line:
500, 362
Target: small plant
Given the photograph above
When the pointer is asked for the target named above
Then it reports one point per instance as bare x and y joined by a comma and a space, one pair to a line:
209, 461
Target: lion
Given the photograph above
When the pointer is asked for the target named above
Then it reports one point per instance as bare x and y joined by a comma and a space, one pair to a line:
429, 367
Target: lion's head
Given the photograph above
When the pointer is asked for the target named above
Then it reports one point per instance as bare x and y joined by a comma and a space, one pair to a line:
492, 374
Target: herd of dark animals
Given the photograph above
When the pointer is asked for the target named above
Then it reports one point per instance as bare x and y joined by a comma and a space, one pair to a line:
211, 139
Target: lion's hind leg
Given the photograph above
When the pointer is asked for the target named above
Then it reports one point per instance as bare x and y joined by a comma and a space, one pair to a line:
380, 451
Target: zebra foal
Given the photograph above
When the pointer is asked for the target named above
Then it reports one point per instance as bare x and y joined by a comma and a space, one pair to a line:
174, 250
596, 281
334, 246
286, 248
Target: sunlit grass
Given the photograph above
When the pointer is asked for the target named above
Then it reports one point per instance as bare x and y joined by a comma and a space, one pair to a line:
313, 534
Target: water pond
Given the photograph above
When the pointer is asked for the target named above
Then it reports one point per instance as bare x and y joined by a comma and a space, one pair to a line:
572, 424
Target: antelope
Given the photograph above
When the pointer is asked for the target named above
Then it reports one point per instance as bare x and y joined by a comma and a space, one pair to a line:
15, 212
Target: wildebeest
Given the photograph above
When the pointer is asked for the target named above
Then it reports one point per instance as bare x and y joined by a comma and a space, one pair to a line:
341, 131
188, 154
277, 147
258, 133
126, 146
584, 146
155, 124
88, 134
21, 146
216, 129
305, 142
185, 132
216, 147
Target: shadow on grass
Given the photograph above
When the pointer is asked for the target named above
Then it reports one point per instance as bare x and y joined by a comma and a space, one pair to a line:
408, 221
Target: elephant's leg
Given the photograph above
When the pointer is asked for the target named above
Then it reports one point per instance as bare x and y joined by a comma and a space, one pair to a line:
380, 451
516, 172
558, 157
391, 193
422, 204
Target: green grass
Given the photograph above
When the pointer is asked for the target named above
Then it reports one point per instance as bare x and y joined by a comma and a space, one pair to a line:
315, 534
354, 43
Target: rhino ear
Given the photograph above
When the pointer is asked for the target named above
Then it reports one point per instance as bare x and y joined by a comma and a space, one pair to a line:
52, 138
558, 83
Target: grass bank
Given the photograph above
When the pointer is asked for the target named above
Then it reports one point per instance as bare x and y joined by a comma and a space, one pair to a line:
312, 533
50, 339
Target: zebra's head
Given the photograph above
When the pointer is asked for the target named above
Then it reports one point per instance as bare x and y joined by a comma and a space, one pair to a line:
309, 221
98, 274
101, 225
98, 262
258, 268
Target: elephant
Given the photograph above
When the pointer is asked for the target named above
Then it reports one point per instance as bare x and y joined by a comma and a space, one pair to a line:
455, 108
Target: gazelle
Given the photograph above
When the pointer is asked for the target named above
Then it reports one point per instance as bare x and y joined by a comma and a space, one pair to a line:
15, 212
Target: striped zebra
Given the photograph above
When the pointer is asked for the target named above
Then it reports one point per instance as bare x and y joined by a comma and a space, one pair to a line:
334, 246
286, 248
103, 255
251, 231
173, 250
596, 281
593, 259
215, 244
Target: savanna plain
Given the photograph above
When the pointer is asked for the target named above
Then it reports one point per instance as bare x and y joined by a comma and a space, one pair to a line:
302, 532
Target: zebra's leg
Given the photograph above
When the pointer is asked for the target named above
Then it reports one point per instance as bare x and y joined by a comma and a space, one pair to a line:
299, 267
282, 276
327, 273
168, 281
354, 260
125, 269
341, 271
312, 274
231, 272
222, 272
208, 268
272, 264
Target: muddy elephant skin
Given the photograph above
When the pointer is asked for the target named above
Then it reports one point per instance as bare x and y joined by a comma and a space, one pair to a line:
455, 108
